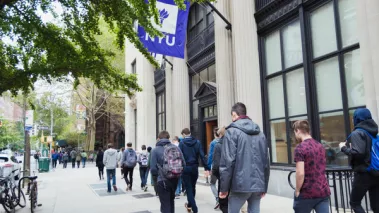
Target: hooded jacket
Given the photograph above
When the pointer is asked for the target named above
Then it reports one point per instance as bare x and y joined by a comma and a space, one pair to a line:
156, 158
211, 151
192, 150
216, 157
358, 146
110, 158
244, 164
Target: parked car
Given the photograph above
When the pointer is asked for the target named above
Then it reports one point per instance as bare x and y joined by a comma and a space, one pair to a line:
9, 163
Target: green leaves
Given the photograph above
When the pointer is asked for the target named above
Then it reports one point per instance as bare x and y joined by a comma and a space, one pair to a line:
37, 49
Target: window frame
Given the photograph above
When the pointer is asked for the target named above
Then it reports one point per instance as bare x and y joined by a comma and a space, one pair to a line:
162, 112
308, 64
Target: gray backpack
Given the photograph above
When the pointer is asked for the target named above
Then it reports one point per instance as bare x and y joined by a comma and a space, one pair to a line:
131, 158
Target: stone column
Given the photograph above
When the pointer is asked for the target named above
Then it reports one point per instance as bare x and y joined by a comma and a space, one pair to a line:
368, 28
246, 58
146, 108
224, 64
180, 95
169, 100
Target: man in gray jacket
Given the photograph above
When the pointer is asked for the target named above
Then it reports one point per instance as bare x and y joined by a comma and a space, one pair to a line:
244, 164
110, 162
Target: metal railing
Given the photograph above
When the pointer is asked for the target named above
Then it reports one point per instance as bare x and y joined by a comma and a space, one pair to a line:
340, 183
201, 41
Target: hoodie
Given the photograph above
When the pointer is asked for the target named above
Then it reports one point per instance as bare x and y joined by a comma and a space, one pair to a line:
244, 163
110, 159
358, 146
211, 151
157, 158
192, 151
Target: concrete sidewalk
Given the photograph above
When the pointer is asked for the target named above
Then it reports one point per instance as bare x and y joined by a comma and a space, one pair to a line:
80, 190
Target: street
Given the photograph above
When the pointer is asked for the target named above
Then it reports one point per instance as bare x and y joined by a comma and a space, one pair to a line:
80, 190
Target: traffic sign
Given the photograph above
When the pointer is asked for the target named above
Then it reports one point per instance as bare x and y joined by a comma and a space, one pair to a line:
43, 128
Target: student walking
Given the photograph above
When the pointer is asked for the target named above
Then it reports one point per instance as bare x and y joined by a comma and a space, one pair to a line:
55, 158
148, 165
312, 188
143, 161
210, 158
128, 163
99, 163
223, 202
362, 147
90, 158
192, 151
110, 162
84, 158
78, 159
167, 163
244, 175
73, 158
65, 159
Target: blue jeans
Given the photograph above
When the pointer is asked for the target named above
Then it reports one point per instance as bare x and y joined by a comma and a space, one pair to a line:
301, 205
237, 199
111, 173
179, 187
84, 162
143, 176
190, 176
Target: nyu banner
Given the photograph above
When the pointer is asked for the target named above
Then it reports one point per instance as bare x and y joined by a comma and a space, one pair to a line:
174, 28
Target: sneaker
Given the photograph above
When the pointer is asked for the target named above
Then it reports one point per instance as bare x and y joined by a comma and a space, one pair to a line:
130, 187
189, 209
115, 188
177, 196
217, 205
145, 189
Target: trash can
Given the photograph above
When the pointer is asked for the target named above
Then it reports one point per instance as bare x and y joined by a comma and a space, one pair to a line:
44, 164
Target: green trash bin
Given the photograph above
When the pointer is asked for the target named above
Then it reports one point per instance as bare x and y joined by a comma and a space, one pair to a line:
44, 164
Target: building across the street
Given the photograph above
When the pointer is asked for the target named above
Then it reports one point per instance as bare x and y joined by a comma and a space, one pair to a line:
285, 59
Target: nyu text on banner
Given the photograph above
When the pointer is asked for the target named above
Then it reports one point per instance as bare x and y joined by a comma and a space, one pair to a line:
174, 27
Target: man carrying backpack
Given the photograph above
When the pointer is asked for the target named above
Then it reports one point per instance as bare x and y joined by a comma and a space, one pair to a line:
192, 151
362, 147
167, 163
143, 161
128, 163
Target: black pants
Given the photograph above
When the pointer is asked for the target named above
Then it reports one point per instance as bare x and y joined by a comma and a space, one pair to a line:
128, 171
166, 192
73, 163
363, 183
155, 180
65, 164
101, 171
222, 201
55, 164
78, 164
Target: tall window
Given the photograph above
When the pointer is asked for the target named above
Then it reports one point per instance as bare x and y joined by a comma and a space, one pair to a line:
161, 112
134, 67
135, 128
314, 75
206, 75
200, 17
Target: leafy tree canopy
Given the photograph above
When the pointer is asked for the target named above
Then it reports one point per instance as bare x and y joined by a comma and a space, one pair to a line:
47, 50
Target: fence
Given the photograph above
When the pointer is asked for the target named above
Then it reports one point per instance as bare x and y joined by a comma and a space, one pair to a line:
340, 183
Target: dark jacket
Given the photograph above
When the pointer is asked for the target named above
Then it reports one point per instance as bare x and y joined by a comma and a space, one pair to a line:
192, 150
216, 158
99, 159
157, 158
358, 146
244, 165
